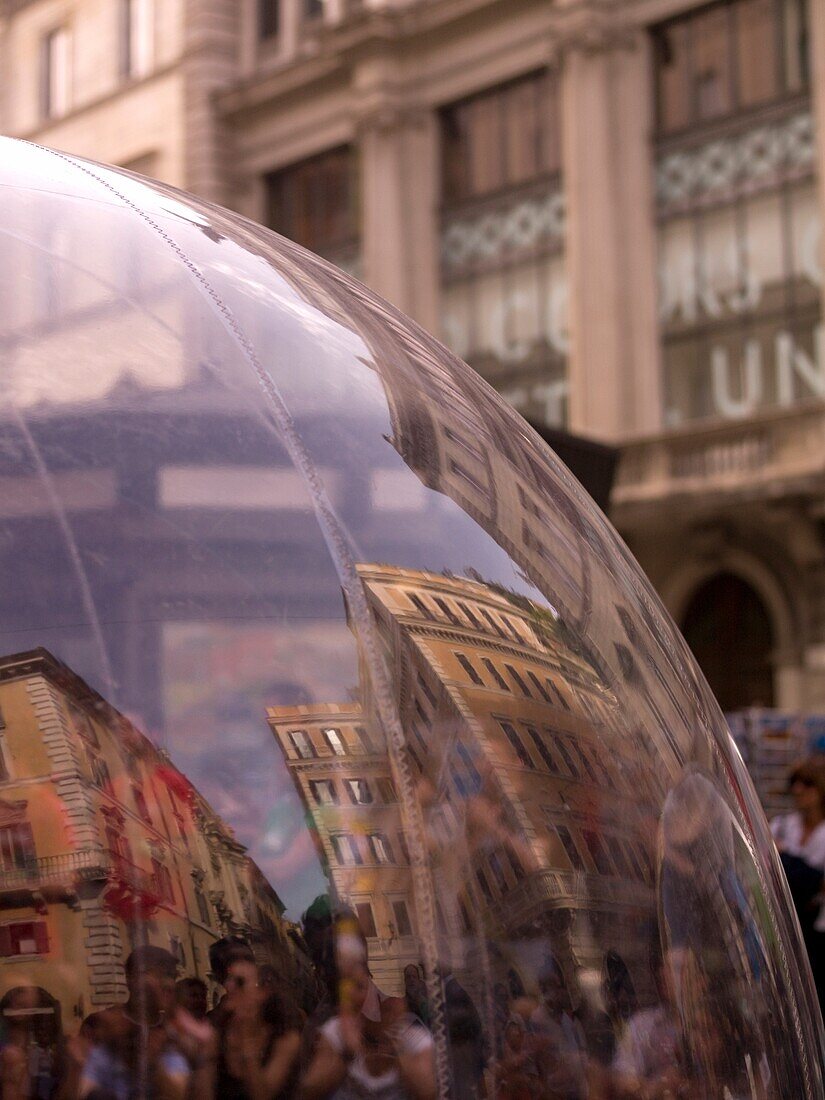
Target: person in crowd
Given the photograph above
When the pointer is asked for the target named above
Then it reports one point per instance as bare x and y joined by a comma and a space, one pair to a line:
516, 1073
649, 1059
258, 1038
28, 1056
221, 954
355, 1056
468, 1053
800, 838
618, 990
415, 993
132, 1049
339, 944
595, 1031
193, 996
558, 1040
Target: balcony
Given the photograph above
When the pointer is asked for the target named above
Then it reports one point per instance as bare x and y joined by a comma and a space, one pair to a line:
546, 891
774, 454
60, 875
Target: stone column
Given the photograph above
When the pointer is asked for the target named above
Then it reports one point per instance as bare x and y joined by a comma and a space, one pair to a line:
816, 14
611, 255
399, 197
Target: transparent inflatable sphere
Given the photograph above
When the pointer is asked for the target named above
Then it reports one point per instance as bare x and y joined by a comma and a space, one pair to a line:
344, 748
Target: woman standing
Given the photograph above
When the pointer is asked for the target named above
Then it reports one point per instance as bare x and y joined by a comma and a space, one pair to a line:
258, 1045
800, 838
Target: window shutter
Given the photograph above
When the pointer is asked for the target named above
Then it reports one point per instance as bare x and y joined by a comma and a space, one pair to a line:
41, 937
5, 941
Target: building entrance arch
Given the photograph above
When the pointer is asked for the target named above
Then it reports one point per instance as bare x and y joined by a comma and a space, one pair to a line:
729, 629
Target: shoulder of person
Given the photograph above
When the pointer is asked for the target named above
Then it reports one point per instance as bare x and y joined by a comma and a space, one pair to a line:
331, 1031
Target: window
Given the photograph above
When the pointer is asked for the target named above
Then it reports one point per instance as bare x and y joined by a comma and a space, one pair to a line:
472, 772
504, 303
4, 749
313, 9
162, 882
401, 918
727, 57
428, 691
521, 752
117, 842
598, 851
580, 753
56, 73
504, 137
538, 686
559, 694
468, 668
544, 752
137, 37
346, 850
447, 611
518, 681
570, 848
494, 672
464, 913
99, 770
140, 803
484, 884
386, 789
302, 744
323, 791
495, 626
16, 847
82, 725
498, 873
203, 905
415, 758
359, 792
419, 736
335, 741
515, 864
566, 757
269, 18
177, 949
366, 918
380, 847
24, 938
420, 605
315, 203
471, 615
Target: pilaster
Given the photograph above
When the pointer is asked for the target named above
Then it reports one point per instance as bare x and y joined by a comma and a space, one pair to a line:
399, 180
816, 15
611, 246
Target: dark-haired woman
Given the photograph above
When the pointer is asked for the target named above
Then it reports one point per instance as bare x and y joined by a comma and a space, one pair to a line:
258, 1041
800, 838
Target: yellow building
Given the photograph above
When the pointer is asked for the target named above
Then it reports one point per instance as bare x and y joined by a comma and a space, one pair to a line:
104, 843
538, 831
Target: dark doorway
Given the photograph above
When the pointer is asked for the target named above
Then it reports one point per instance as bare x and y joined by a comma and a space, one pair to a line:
728, 628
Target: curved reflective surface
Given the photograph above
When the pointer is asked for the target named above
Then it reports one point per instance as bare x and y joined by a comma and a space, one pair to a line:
344, 748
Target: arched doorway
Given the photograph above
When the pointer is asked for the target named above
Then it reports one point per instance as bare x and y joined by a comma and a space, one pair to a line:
729, 630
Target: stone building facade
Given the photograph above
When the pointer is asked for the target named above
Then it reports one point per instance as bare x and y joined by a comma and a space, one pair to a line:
104, 844
614, 214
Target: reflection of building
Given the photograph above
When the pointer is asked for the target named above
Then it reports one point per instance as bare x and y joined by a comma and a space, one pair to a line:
343, 777
98, 830
538, 825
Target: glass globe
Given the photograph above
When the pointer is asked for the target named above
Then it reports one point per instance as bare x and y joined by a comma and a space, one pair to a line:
333, 708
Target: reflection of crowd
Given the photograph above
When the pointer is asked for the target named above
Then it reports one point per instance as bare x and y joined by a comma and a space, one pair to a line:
581, 1036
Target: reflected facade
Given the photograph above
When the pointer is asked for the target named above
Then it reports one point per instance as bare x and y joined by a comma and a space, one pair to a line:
329, 695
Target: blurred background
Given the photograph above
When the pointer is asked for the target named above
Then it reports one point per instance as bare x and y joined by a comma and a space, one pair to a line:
612, 211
